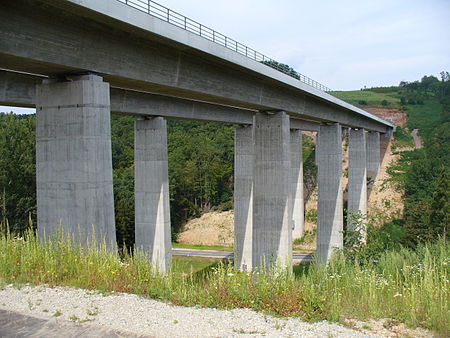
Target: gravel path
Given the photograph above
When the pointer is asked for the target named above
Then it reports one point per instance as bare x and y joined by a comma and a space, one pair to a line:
416, 137
141, 316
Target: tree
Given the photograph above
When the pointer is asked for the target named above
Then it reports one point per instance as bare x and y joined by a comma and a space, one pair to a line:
17, 170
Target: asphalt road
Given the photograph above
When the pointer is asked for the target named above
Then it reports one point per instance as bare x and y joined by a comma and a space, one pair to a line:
297, 257
14, 324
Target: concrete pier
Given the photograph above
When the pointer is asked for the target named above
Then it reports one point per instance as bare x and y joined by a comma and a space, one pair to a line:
373, 148
357, 182
152, 209
330, 204
298, 216
244, 157
73, 159
272, 228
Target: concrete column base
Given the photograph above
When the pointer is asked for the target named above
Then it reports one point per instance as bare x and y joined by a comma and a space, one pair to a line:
73, 160
272, 228
152, 208
330, 204
244, 157
298, 217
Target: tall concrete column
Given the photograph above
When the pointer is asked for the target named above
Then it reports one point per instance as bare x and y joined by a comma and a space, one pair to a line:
330, 204
357, 181
244, 157
152, 208
373, 154
297, 184
272, 229
73, 160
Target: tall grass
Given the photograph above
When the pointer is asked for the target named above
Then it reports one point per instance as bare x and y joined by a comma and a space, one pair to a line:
405, 285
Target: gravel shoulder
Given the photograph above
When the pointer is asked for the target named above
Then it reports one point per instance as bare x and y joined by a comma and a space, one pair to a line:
135, 315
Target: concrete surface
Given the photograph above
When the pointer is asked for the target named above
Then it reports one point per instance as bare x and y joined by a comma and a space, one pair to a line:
18, 90
297, 257
329, 180
373, 149
14, 324
244, 157
152, 208
298, 212
73, 160
272, 227
155, 62
357, 182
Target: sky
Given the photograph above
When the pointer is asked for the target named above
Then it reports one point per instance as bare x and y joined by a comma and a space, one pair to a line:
345, 44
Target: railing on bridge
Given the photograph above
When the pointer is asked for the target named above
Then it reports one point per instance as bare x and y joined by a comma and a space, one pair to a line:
174, 18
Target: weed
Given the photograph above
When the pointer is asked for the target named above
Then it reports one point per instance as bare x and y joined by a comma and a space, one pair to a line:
57, 313
74, 318
366, 287
93, 312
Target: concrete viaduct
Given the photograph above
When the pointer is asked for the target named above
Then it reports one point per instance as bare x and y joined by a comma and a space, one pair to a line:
76, 61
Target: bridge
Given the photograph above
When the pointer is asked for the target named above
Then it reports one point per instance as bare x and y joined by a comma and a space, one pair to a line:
77, 61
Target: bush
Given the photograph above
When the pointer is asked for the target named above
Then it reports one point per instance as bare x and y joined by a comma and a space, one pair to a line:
384, 103
362, 102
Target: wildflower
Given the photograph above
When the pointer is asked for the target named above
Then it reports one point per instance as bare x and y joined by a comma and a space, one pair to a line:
230, 274
398, 295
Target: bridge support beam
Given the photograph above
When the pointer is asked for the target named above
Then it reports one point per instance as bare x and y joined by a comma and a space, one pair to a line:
373, 154
244, 157
357, 182
73, 160
330, 204
272, 229
297, 184
152, 209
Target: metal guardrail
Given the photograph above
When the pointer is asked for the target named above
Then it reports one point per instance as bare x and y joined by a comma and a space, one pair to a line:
161, 12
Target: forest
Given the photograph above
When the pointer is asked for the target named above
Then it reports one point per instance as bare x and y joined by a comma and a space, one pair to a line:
201, 165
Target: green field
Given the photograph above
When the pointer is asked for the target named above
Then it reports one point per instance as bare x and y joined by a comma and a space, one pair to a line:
372, 99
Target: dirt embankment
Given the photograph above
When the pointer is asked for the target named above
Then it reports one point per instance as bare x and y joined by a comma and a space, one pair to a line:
393, 115
217, 228
213, 228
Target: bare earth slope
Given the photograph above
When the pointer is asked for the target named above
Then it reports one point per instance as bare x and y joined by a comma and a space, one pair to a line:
216, 228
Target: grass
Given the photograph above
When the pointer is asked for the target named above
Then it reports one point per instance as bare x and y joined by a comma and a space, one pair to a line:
424, 117
372, 99
202, 247
402, 138
408, 286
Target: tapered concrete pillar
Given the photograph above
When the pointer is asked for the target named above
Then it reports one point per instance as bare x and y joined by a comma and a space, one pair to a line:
357, 182
330, 204
272, 229
373, 154
73, 160
298, 216
244, 157
152, 209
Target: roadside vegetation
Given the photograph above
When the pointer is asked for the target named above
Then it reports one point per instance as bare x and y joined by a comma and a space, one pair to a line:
409, 286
